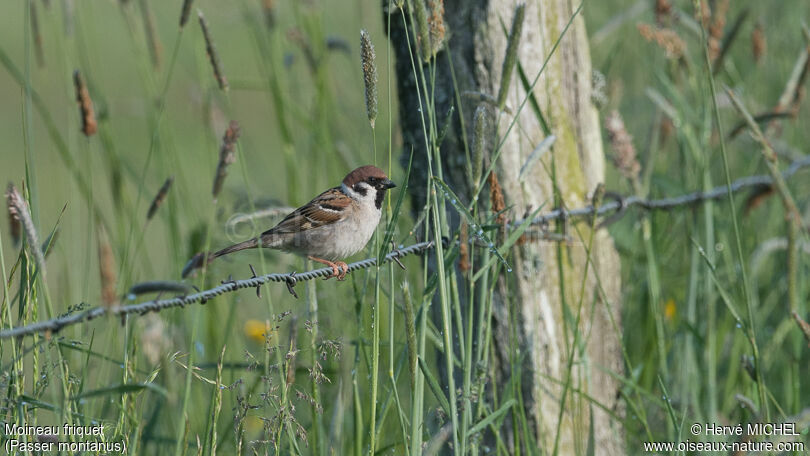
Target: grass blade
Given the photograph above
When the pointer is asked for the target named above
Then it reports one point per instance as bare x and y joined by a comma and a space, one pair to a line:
122, 389
491, 417
434, 386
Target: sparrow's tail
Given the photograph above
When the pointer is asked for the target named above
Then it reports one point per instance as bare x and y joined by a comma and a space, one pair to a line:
201, 258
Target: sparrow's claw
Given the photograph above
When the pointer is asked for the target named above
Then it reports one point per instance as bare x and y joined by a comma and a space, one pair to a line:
344, 270
335, 272
334, 266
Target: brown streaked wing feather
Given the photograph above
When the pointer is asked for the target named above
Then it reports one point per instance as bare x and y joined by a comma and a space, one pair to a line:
324, 209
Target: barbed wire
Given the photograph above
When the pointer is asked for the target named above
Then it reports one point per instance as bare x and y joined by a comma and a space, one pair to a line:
618, 204
156, 305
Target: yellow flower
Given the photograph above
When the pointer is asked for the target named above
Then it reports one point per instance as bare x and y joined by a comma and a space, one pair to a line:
669, 309
257, 330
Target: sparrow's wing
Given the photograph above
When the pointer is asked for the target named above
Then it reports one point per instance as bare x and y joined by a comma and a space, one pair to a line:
328, 207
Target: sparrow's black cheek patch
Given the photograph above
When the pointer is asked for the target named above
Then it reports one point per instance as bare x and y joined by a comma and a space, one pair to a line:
380, 197
361, 189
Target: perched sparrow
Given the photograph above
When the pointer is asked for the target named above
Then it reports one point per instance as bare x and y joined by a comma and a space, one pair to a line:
336, 224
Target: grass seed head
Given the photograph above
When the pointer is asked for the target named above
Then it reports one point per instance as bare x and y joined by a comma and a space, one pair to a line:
18, 207
436, 26
302, 396
665, 38
759, 44
107, 272
464, 248
599, 89
89, 124
624, 156
663, 9
479, 142
227, 155
159, 198
703, 13
213, 57
369, 60
496, 198
716, 27
422, 28
13, 217
185, 12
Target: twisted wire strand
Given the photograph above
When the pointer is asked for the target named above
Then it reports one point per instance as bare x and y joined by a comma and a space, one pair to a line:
621, 203
618, 204
156, 305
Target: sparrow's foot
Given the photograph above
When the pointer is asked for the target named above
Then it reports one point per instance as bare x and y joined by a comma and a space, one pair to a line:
334, 266
344, 269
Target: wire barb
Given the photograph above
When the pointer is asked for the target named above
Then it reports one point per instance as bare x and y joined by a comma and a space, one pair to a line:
259, 286
291, 281
395, 250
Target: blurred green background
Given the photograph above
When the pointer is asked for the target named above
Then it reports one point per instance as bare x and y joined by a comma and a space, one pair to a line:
304, 126
327, 126
323, 110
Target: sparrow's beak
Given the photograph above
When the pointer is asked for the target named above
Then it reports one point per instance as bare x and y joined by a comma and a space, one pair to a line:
388, 183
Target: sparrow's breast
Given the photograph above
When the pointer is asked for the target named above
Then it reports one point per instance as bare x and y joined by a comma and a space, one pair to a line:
339, 240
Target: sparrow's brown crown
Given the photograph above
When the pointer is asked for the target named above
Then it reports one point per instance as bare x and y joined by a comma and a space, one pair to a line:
368, 173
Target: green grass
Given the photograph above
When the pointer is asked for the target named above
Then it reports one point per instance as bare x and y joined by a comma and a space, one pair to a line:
362, 366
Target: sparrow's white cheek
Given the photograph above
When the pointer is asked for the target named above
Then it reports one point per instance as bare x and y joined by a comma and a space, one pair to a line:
364, 193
